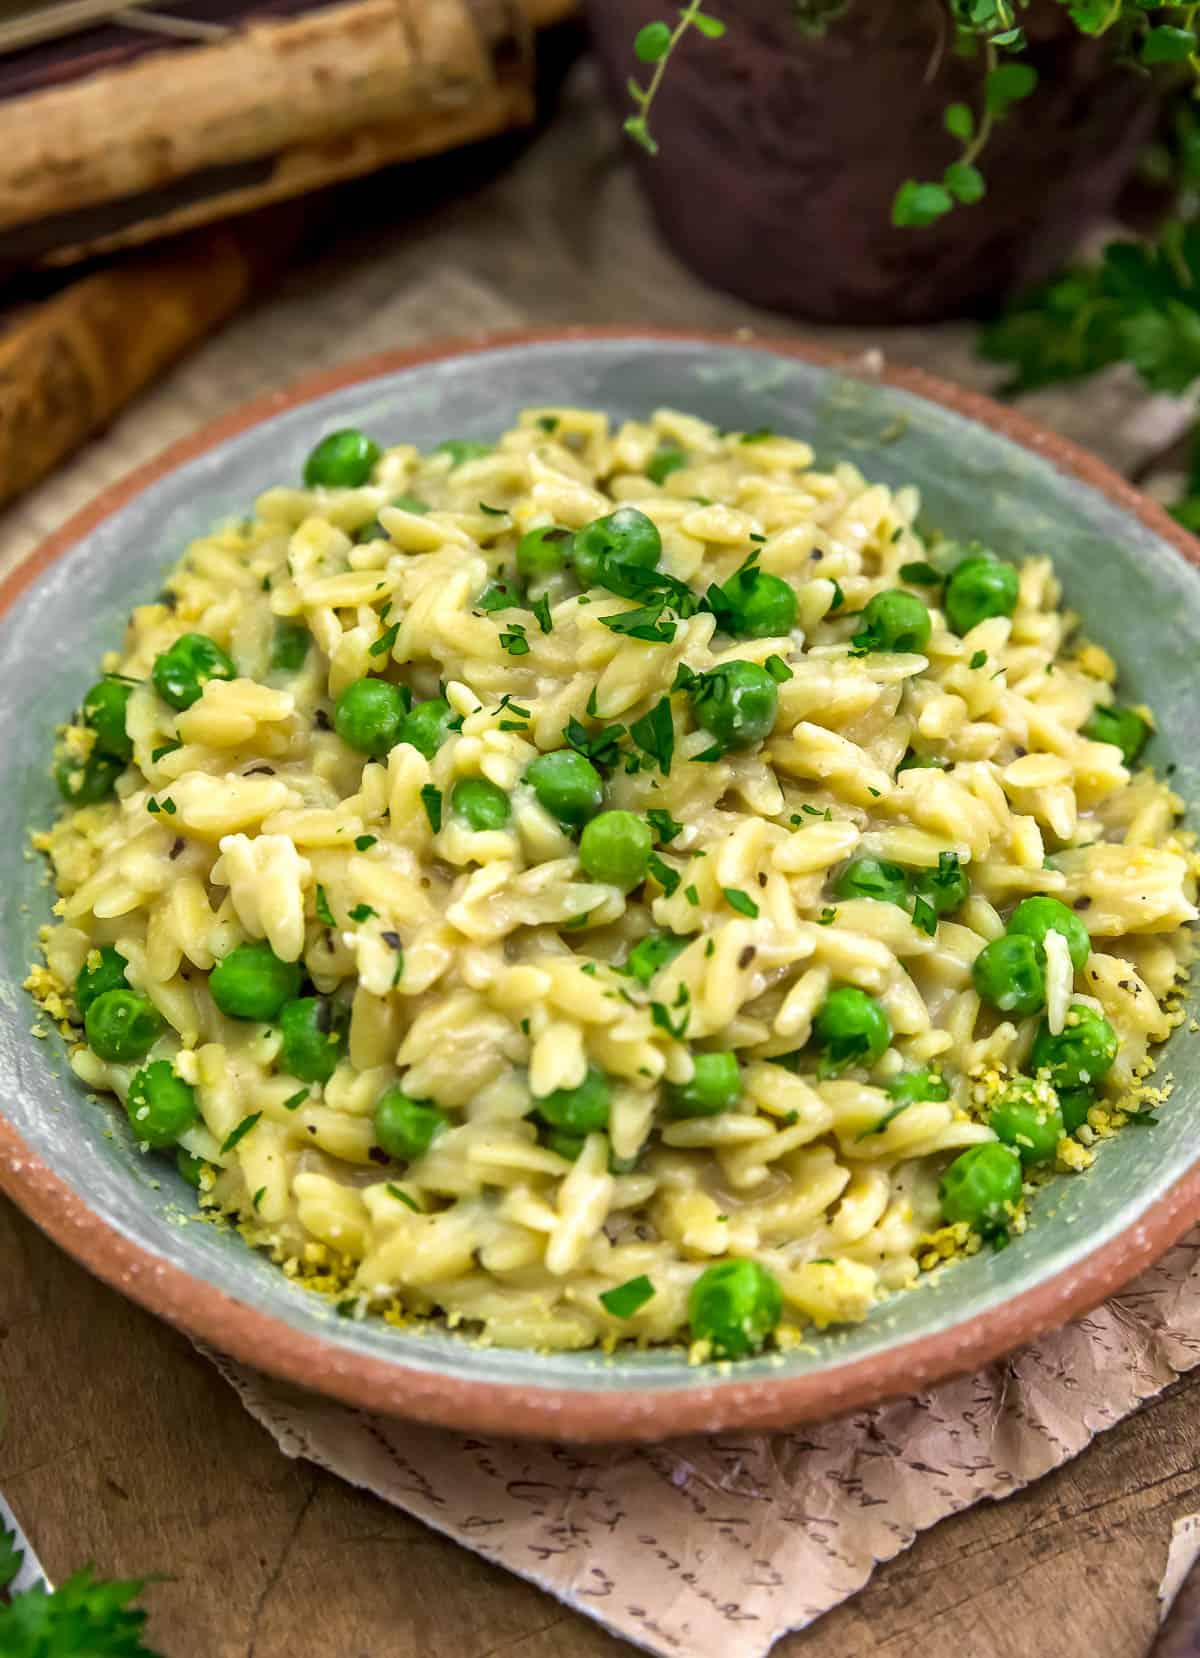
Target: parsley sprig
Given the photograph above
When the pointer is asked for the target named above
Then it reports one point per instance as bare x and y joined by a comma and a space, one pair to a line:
85, 1616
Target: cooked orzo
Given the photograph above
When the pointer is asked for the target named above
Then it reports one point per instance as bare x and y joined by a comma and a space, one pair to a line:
612, 885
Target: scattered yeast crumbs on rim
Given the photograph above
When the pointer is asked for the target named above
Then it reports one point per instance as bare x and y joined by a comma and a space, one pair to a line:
612, 885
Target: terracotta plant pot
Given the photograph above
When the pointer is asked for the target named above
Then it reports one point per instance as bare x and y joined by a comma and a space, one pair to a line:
780, 155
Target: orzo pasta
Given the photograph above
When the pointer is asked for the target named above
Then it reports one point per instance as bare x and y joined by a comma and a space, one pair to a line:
612, 884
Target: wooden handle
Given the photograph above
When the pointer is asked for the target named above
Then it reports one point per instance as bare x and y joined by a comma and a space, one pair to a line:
68, 365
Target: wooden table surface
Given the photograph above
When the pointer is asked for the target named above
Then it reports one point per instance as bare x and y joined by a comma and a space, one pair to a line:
123, 1446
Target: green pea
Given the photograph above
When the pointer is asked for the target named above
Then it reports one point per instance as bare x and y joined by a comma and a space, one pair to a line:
850, 1028
1035, 917
289, 646
252, 983
160, 1105
428, 726
343, 460
181, 672
406, 1128
736, 703
667, 458
624, 537
1082, 1053
1074, 1104
979, 588
190, 1168
945, 888
542, 552
1010, 974
121, 1025
615, 847
922, 1084
982, 1187
481, 804
462, 449
652, 953
104, 711
563, 1144
371, 715
1121, 727
567, 785
716, 1085
914, 761
894, 621
872, 878
763, 606
581, 1110
734, 1306
313, 1038
1027, 1117
87, 782
106, 972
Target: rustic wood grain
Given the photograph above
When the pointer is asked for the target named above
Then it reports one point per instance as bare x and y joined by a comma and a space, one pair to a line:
123, 1446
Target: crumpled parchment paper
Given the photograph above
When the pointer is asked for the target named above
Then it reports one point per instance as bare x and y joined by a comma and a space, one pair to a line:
715, 1547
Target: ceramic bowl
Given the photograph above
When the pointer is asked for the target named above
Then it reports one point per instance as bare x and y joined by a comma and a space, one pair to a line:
982, 472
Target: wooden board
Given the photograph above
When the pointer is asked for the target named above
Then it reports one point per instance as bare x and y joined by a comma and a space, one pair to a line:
123, 1446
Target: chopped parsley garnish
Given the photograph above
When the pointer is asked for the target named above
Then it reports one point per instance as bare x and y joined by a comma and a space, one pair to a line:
157, 754
385, 641
240, 1132
602, 748
921, 574
924, 916
654, 734
661, 1015
664, 825
978, 660
541, 609
323, 912
625, 1300
667, 878
403, 1197
758, 436
740, 901
296, 1099
362, 912
644, 622
506, 701
166, 804
692, 896
827, 916
497, 597
258, 1196
547, 423
431, 799
839, 598
513, 640
778, 669
492, 512
363, 842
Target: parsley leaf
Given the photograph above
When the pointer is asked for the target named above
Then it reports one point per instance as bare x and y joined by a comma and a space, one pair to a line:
654, 734
978, 659
888, 1116
924, 916
297, 1099
323, 912
602, 748
921, 574
661, 1016
403, 1197
740, 901
541, 609
513, 640
362, 912
385, 641
235, 1136
431, 799
363, 842
664, 825
625, 1299
839, 598
667, 878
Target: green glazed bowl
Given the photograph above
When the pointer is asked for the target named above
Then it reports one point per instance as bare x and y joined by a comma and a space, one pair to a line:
982, 472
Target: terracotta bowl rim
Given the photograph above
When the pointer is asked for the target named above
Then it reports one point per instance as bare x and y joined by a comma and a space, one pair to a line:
269, 1344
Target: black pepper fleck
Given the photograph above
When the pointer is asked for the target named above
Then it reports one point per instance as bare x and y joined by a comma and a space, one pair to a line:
176, 847
393, 939
259, 771
321, 720
747, 956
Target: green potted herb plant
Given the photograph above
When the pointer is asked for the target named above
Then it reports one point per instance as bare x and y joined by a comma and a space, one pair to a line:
889, 160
